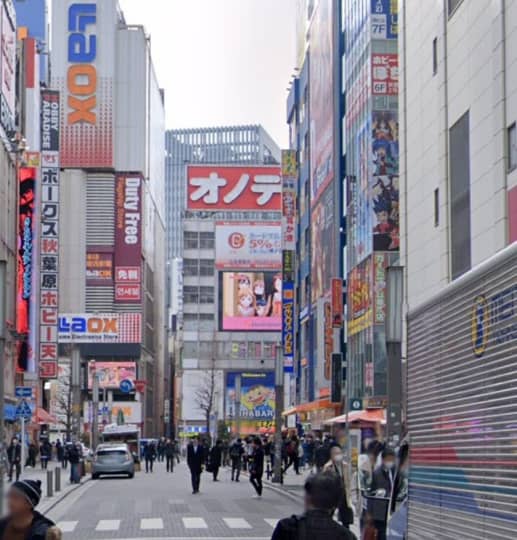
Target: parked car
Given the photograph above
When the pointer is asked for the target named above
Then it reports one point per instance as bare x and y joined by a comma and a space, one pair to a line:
113, 459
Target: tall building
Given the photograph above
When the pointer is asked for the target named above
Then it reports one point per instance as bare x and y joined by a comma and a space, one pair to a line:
371, 131
230, 144
459, 208
112, 209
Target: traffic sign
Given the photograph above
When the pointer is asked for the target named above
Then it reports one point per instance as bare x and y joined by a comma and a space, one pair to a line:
356, 404
23, 410
23, 392
126, 386
140, 385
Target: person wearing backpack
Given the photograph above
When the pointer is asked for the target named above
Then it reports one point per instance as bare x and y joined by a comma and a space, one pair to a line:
322, 495
236, 451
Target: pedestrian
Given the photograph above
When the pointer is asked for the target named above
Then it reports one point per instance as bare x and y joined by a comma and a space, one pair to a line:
45, 453
169, 452
292, 455
14, 456
177, 451
60, 451
256, 466
149, 456
339, 468
32, 454
160, 450
195, 461
74, 457
64, 463
236, 451
215, 458
226, 453
322, 495
382, 485
22, 521
322, 455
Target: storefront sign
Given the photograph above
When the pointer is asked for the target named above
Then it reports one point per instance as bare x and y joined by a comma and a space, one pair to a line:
288, 325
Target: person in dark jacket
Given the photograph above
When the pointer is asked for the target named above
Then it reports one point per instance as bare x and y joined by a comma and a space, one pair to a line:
32, 454
195, 461
322, 455
14, 456
45, 454
60, 452
215, 458
382, 485
169, 451
322, 495
236, 451
149, 456
256, 466
22, 520
74, 454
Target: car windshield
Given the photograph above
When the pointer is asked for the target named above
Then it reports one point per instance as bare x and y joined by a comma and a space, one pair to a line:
112, 453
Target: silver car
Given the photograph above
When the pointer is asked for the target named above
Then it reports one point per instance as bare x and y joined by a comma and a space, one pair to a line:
113, 459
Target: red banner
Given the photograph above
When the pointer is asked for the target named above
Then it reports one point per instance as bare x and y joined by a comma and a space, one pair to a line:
128, 238
337, 302
234, 188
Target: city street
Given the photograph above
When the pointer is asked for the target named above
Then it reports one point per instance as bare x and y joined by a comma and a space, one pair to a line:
161, 505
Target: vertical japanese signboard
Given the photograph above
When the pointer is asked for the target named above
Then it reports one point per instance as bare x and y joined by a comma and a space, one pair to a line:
288, 325
289, 179
128, 239
337, 302
49, 235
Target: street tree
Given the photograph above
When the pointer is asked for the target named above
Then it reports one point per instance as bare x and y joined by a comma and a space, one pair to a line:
205, 395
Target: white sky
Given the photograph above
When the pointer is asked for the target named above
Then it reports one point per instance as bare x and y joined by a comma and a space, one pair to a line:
221, 62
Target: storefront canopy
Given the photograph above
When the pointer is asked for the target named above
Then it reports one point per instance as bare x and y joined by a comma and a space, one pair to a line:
368, 415
43, 417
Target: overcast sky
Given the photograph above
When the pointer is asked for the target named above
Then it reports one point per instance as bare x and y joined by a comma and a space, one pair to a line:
221, 62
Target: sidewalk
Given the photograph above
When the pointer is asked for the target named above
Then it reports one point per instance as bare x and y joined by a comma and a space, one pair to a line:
40, 474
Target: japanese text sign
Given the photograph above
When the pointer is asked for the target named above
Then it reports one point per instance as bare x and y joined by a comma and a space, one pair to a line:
233, 188
385, 74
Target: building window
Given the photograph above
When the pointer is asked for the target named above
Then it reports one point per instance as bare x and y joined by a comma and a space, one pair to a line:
190, 267
206, 240
453, 5
512, 147
435, 56
190, 295
206, 295
436, 207
190, 239
206, 267
459, 164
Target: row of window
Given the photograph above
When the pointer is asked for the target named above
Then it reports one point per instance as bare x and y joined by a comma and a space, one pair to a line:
198, 295
198, 267
254, 350
198, 240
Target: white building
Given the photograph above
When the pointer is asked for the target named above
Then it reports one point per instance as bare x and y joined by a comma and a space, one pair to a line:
458, 113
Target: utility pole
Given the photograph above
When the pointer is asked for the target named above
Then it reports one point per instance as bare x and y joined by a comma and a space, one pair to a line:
279, 404
95, 411
76, 391
238, 404
3, 286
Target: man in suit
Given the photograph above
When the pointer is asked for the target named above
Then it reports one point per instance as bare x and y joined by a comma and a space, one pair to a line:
195, 461
382, 484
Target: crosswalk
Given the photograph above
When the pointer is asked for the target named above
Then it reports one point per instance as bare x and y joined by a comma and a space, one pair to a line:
190, 523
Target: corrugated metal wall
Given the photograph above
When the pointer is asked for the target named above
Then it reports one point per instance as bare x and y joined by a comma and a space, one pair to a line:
462, 408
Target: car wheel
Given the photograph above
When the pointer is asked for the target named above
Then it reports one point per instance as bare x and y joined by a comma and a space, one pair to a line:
131, 475
95, 476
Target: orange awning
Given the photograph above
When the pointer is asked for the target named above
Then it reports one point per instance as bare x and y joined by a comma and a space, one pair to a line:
368, 415
316, 405
43, 417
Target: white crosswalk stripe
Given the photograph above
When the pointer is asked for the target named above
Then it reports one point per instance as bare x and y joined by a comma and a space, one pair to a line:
67, 526
147, 524
194, 523
237, 523
271, 522
108, 525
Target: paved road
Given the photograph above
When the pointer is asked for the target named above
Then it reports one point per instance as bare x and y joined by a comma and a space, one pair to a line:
161, 506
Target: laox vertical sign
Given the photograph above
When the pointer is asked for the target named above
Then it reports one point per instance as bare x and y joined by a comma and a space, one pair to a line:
83, 63
128, 238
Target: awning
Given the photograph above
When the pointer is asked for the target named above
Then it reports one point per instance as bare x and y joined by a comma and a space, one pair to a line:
368, 415
316, 405
43, 417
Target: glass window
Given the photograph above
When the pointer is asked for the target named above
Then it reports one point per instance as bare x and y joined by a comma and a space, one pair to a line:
206, 240
435, 56
190, 267
190, 239
206, 267
206, 295
512, 147
190, 295
459, 159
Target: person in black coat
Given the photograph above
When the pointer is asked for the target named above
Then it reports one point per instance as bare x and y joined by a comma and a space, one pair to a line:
195, 461
322, 495
257, 466
14, 456
170, 451
236, 451
215, 458
382, 485
149, 456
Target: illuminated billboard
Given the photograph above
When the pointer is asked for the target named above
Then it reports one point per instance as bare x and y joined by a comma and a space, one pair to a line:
111, 374
100, 328
99, 268
233, 188
83, 65
250, 301
248, 245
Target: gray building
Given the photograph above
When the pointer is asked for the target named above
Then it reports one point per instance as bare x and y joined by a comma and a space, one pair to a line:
231, 145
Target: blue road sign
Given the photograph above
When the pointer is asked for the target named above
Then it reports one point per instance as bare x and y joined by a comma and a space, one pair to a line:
356, 404
23, 392
126, 386
23, 410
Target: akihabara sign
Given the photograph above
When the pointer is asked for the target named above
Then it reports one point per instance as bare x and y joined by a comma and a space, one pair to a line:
83, 60
100, 328
49, 235
248, 245
128, 239
233, 188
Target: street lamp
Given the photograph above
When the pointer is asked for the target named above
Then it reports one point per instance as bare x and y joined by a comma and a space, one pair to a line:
279, 400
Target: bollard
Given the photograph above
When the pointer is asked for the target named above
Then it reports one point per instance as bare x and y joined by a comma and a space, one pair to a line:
57, 485
50, 482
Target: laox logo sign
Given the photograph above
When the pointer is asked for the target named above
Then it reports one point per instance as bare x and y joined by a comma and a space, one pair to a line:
93, 325
82, 73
